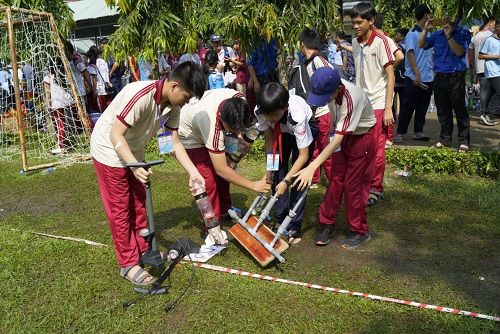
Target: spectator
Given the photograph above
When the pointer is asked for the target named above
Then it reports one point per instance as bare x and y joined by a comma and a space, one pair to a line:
262, 63
285, 121
485, 89
201, 50
450, 64
309, 40
202, 131
347, 58
80, 74
240, 63
214, 77
418, 78
104, 97
120, 138
376, 76
165, 64
146, 69
399, 73
190, 57
93, 105
490, 52
135, 72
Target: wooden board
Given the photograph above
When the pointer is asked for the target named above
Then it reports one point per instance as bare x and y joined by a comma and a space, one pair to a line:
258, 251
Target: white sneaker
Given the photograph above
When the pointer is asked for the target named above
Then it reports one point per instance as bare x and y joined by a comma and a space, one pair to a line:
57, 151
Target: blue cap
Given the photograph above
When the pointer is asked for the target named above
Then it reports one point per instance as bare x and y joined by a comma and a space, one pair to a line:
215, 38
324, 82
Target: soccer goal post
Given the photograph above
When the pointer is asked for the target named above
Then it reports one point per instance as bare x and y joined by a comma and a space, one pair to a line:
43, 120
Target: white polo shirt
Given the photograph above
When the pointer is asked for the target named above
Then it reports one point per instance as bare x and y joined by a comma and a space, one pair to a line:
318, 62
371, 59
352, 110
200, 123
136, 107
297, 123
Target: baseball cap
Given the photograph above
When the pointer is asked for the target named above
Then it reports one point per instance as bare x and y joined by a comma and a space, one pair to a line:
324, 82
215, 38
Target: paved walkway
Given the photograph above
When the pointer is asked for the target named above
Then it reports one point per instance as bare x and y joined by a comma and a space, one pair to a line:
483, 137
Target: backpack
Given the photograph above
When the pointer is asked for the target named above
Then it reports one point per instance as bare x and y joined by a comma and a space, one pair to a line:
399, 71
299, 82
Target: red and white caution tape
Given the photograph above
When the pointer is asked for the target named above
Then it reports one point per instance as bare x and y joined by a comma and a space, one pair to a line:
359, 294
88, 242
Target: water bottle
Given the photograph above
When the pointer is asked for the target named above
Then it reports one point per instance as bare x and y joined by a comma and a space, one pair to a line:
47, 171
244, 146
204, 205
260, 205
432, 106
423, 86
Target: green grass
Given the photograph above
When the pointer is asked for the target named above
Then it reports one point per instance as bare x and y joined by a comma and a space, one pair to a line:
438, 242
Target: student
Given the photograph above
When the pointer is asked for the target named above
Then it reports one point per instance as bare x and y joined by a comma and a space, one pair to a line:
202, 131
285, 120
215, 79
354, 143
120, 137
374, 62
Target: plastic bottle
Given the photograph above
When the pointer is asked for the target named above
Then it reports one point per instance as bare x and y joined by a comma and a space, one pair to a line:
48, 170
263, 200
423, 86
249, 137
432, 106
204, 205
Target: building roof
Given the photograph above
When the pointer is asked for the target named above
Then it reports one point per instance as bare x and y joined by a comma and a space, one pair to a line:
91, 9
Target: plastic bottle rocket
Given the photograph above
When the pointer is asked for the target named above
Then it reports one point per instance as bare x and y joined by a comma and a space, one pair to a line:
47, 171
204, 205
244, 146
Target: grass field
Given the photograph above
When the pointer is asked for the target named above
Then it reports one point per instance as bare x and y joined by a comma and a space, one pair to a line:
438, 242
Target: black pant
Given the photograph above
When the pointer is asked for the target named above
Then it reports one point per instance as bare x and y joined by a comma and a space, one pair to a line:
493, 106
449, 95
417, 99
289, 198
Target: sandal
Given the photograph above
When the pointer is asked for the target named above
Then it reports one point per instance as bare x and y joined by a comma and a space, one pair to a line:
438, 145
375, 197
463, 149
141, 276
294, 237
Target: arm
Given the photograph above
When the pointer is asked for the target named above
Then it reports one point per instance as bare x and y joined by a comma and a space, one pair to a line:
454, 46
422, 43
413, 63
253, 78
113, 68
344, 47
299, 163
117, 137
488, 57
223, 170
47, 94
344, 62
132, 70
305, 176
389, 92
88, 84
398, 57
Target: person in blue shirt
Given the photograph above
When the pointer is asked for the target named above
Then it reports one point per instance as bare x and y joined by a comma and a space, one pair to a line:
490, 52
418, 70
262, 63
450, 64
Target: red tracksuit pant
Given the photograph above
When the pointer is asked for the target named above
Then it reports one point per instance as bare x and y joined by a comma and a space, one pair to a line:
124, 199
350, 177
322, 140
379, 169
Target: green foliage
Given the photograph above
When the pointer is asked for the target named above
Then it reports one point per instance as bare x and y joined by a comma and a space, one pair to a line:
445, 161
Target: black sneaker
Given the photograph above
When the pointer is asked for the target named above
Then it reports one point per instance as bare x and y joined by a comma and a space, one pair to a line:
355, 239
324, 235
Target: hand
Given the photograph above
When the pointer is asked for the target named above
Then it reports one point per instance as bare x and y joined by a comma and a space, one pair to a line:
281, 188
141, 174
448, 27
261, 186
428, 25
217, 236
416, 81
388, 118
304, 178
250, 84
256, 87
196, 175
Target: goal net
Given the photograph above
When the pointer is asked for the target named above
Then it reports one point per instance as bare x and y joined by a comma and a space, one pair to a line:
43, 121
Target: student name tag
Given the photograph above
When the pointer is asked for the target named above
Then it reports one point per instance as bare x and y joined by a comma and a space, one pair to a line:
273, 161
165, 143
231, 144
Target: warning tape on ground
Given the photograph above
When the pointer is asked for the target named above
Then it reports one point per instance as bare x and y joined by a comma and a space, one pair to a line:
359, 294
88, 242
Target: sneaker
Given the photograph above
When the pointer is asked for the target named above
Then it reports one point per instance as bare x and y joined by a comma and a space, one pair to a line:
388, 144
57, 151
314, 185
421, 136
398, 138
324, 235
487, 120
355, 239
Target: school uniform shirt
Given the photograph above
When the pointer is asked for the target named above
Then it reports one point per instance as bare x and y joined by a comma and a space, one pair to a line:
200, 123
102, 76
297, 121
318, 62
78, 68
475, 44
423, 57
371, 59
491, 46
59, 98
353, 112
136, 107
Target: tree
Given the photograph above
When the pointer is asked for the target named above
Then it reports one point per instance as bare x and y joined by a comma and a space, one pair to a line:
63, 16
